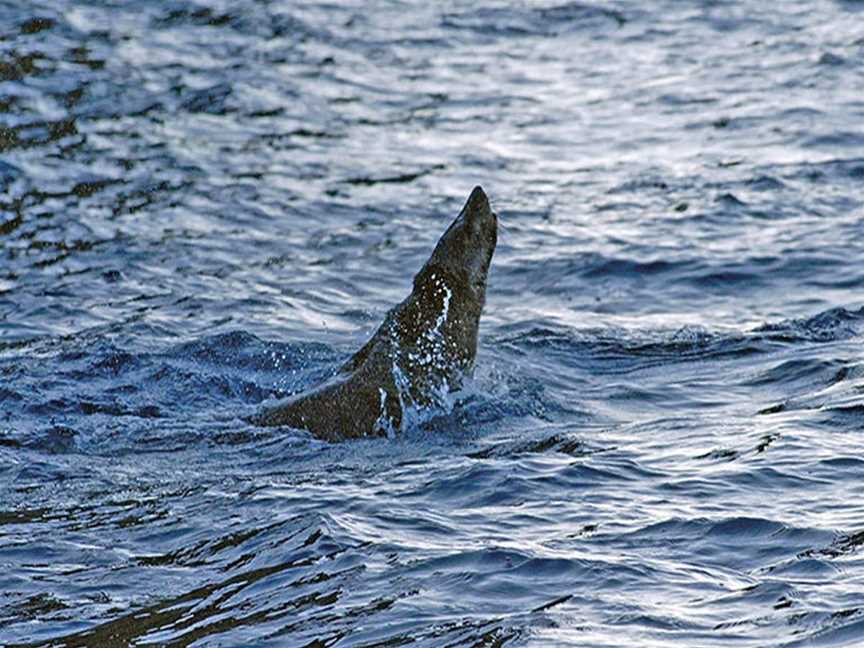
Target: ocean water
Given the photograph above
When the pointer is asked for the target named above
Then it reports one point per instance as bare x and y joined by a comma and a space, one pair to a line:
206, 205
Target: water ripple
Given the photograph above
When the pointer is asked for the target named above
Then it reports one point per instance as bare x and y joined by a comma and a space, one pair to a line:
208, 205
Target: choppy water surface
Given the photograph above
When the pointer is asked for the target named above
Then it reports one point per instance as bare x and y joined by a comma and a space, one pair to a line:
209, 204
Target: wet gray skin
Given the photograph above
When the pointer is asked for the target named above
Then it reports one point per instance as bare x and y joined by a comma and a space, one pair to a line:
422, 350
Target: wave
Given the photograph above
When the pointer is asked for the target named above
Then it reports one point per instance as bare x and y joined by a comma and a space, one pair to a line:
535, 21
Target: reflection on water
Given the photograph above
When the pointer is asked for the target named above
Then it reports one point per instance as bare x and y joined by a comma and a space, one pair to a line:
207, 205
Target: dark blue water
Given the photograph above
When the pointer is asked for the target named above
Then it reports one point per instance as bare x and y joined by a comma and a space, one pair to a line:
205, 205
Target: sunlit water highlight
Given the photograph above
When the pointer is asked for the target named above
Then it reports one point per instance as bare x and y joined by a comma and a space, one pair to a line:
207, 205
